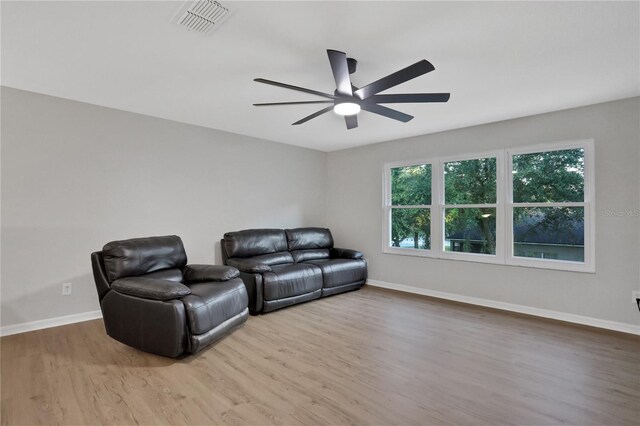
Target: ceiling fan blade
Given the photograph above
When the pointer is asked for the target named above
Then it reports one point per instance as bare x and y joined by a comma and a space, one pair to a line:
398, 77
387, 112
409, 98
293, 103
314, 115
351, 121
289, 86
340, 69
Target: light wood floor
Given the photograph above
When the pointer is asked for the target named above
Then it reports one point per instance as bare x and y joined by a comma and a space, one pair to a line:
367, 357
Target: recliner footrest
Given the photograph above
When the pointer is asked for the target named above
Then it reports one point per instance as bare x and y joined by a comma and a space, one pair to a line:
272, 305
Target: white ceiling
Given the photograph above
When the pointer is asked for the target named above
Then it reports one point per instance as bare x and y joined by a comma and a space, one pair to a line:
498, 60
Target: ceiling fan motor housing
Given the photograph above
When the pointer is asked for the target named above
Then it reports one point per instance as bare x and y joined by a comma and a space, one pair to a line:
352, 64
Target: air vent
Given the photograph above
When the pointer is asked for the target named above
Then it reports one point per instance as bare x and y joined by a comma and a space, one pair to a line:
201, 16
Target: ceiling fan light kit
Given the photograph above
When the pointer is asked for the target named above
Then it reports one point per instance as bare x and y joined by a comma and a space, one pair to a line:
346, 108
349, 100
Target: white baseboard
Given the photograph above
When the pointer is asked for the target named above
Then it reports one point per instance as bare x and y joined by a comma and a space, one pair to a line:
48, 323
545, 313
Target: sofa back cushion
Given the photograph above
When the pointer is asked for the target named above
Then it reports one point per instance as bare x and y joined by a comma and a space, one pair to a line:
255, 242
311, 254
280, 258
309, 243
309, 238
139, 256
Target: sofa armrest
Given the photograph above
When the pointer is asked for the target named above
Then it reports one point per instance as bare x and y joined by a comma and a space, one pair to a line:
204, 273
249, 265
340, 253
149, 288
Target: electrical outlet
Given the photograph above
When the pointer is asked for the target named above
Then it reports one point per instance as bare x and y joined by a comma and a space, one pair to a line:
66, 289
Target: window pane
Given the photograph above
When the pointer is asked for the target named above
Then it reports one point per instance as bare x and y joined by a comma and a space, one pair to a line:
551, 176
470, 230
411, 186
411, 228
470, 182
549, 233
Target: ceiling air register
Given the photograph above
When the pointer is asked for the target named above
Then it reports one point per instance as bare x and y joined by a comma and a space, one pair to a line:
201, 16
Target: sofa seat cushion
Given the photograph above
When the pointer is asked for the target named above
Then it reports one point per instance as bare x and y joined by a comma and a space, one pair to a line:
212, 303
336, 272
291, 280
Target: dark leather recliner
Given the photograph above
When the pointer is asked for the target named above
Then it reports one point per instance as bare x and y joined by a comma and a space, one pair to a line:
284, 267
153, 301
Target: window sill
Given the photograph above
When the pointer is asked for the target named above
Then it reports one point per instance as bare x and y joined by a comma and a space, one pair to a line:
557, 265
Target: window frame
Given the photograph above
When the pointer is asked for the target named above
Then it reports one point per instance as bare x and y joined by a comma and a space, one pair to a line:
504, 206
587, 204
473, 257
388, 207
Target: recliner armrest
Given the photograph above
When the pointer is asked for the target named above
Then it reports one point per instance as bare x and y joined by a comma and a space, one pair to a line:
149, 288
203, 273
249, 265
340, 253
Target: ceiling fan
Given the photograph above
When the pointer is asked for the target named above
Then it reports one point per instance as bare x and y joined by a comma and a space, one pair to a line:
349, 100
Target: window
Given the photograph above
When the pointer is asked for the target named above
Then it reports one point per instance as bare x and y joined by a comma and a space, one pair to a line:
549, 206
410, 209
527, 207
470, 205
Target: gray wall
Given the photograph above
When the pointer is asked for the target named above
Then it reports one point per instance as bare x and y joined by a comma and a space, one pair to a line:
354, 190
75, 176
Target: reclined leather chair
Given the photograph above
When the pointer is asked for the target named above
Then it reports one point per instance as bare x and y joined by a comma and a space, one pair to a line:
153, 301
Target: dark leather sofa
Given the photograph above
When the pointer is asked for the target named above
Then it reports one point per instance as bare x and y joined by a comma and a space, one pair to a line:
283, 267
152, 300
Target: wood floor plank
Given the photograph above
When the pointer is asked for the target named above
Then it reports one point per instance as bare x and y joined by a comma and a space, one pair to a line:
368, 357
